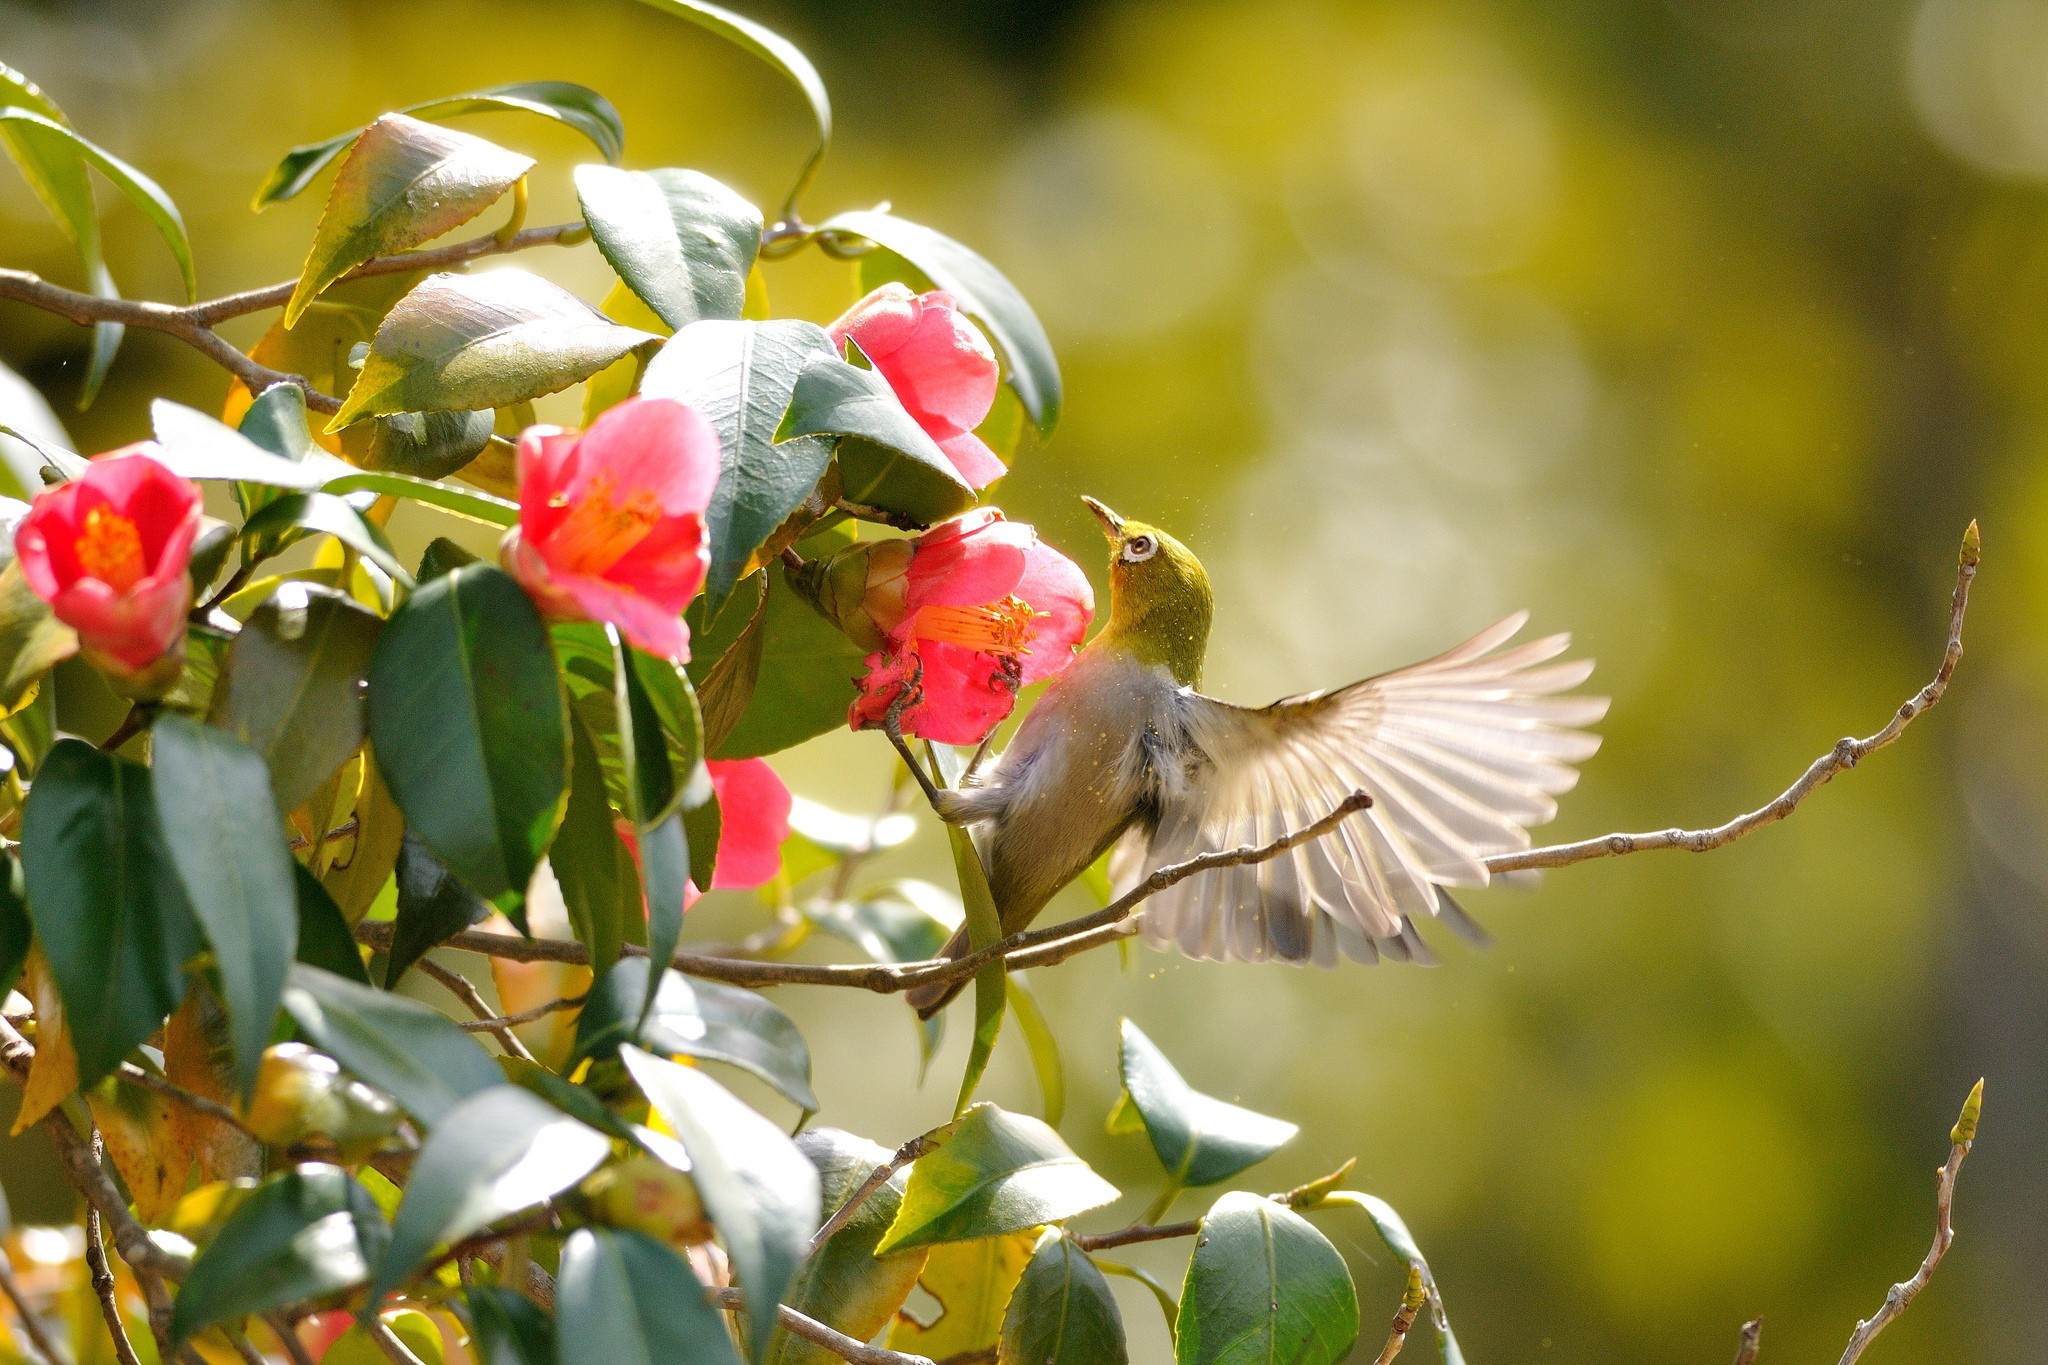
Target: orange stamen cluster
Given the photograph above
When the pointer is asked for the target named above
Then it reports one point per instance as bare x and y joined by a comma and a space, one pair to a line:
1006, 626
110, 549
600, 529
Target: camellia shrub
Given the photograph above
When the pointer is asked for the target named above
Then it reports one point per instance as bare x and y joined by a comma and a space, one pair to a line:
259, 769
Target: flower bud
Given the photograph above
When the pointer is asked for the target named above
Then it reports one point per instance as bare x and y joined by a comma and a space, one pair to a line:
301, 1095
861, 589
645, 1195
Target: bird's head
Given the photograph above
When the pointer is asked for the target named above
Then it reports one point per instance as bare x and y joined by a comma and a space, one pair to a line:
1159, 598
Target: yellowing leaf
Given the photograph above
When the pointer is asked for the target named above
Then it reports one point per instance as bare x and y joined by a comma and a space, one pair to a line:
54, 1072
142, 1141
405, 182
197, 1058
973, 1282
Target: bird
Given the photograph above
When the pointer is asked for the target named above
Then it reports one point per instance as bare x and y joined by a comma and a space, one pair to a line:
1460, 755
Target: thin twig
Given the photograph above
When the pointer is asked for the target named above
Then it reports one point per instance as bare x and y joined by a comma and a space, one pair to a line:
818, 1334
1136, 1232
1899, 1295
1412, 1299
287, 1333
31, 1321
387, 1341
198, 1104
540, 1011
1751, 1340
244, 1347
880, 1176
103, 1278
1846, 754
463, 989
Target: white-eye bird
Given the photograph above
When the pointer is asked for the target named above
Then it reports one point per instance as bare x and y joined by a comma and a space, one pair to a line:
1460, 754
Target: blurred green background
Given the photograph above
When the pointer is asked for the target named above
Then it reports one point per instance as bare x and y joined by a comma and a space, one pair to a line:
1700, 327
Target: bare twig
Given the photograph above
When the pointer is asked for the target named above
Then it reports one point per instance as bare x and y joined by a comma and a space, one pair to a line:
244, 1347
1412, 1299
103, 1278
31, 1321
1751, 1340
1136, 1232
287, 1334
1903, 1293
396, 1351
880, 1176
463, 989
818, 1334
527, 1016
1846, 754
198, 1104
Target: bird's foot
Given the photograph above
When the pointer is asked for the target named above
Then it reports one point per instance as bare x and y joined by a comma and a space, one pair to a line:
907, 696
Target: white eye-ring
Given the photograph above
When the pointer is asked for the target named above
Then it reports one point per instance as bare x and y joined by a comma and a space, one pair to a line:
1138, 549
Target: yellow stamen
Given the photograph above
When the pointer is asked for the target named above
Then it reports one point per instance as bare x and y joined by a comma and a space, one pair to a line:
110, 549
1003, 627
599, 529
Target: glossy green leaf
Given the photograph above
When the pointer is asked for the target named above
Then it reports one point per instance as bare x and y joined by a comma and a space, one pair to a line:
106, 900
1264, 1285
195, 446
1199, 1140
1028, 361
972, 1282
324, 937
779, 53
277, 422
405, 182
467, 717
680, 240
707, 1020
15, 929
890, 463
569, 1097
761, 1193
227, 839
844, 1284
1062, 1312
508, 1328
291, 685
994, 1172
464, 502
35, 129
305, 1234
599, 880
904, 921
806, 675
1043, 1046
984, 928
498, 1152
1393, 1230
482, 341
427, 445
740, 375
433, 907
326, 514
402, 1047
575, 106
625, 1299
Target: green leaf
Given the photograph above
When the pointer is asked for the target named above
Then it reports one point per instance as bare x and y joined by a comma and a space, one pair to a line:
15, 929
575, 106
400, 1046
106, 901
778, 52
984, 927
901, 922
1044, 1048
226, 838
464, 502
982, 290
761, 1193
726, 670
994, 1172
327, 514
680, 240
1062, 1312
844, 1284
427, 445
291, 686
972, 1282
324, 938
433, 907
893, 465
740, 375
469, 726
1264, 1285
276, 420
625, 1299
508, 1328
498, 1152
1200, 1140
304, 1234
1393, 1230
708, 1020
405, 182
32, 640
600, 883
193, 445
482, 341
47, 135
572, 1099
806, 675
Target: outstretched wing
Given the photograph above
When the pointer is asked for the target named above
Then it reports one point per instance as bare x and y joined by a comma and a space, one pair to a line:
1460, 754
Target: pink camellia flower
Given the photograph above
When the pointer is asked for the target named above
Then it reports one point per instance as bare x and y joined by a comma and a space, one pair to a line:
108, 551
611, 520
753, 820
939, 364
979, 608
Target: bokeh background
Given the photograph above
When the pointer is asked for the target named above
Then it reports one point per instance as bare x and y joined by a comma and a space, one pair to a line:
1700, 327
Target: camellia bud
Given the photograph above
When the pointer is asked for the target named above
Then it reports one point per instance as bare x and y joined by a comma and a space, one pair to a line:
861, 589
642, 1194
301, 1095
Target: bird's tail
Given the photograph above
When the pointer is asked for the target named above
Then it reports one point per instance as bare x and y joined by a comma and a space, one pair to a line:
929, 1000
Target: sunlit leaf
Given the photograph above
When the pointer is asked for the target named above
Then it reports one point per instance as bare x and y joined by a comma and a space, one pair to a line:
326, 514
1199, 1139
680, 240
708, 1020
972, 1282
1393, 1230
1264, 1285
993, 1173
464, 502
193, 445
1062, 1312
625, 1299
888, 462
845, 1285
1043, 1046
400, 1046
33, 128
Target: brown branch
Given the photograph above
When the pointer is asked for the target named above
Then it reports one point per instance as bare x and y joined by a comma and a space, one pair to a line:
244, 1348
818, 1334
1900, 1295
1846, 754
463, 989
1749, 1342
1136, 1232
103, 1279
198, 1104
287, 1333
1412, 1299
880, 1176
31, 1321
527, 1016
396, 1351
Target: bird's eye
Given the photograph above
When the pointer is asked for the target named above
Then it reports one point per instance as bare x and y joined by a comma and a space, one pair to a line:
1138, 549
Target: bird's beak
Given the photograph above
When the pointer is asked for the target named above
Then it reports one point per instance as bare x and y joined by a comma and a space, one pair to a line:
1112, 524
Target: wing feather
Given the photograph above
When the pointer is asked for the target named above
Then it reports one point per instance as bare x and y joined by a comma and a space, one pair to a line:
1461, 754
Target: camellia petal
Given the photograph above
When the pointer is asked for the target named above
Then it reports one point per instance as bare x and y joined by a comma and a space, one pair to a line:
753, 820
939, 364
